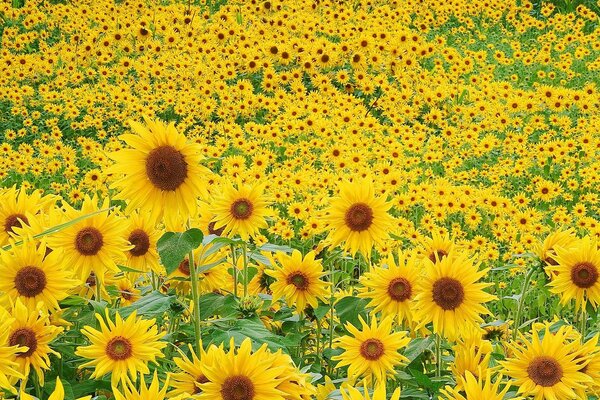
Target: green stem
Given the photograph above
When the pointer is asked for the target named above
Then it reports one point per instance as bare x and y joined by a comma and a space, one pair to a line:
245, 269
196, 299
438, 356
234, 271
154, 281
331, 309
98, 289
583, 326
522, 302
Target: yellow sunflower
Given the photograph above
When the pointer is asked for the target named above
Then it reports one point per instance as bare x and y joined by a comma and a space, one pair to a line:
477, 389
95, 244
450, 297
298, 279
241, 210
142, 235
31, 274
160, 173
127, 293
576, 273
31, 328
372, 351
546, 368
472, 355
121, 347
358, 218
215, 278
8, 353
57, 394
437, 247
547, 249
152, 392
187, 381
379, 393
392, 288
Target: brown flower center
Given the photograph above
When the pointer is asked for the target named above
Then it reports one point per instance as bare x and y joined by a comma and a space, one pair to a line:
89, 241
298, 279
30, 281
24, 337
448, 293
238, 387
126, 294
359, 217
399, 289
241, 209
213, 231
12, 221
184, 267
372, 349
141, 241
584, 275
200, 380
437, 255
545, 371
118, 348
166, 168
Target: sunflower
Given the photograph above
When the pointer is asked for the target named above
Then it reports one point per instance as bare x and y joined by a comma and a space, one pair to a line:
373, 351
477, 389
160, 173
379, 393
95, 244
212, 271
450, 297
437, 247
472, 355
358, 218
187, 381
8, 365
30, 273
152, 392
31, 328
547, 249
241, 210
127, 293
57, 394
547, 368
577, 273
298, 279
241, 375
261, 282
392, 288
142, 235
121, 347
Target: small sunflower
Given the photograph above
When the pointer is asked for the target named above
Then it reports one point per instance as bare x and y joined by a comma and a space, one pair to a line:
187, 381
450, 297
142, 235
121, 347
547, 249
17, 208
57, 394
372, 351
437, 247
160, 173
477, 389
152, 392
358, 218
8, 353
127, 292
298, 280
379, 393
241, 211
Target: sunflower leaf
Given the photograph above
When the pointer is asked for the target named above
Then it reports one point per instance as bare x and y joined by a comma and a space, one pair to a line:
174, 246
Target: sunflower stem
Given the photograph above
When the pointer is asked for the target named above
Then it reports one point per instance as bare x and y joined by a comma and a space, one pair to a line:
234, 271
438, 356
196, 299
154, 281
331, 309
522, 302
245, 269
98, 289
583, 326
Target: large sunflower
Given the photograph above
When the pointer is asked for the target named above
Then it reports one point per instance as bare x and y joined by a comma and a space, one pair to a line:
94, 244
358, 218
547, 249
548, 368
298, 279
240, 210
477, 389
577, 274
121, 347
29, 273
392, 288
161, 173
450, 297
241, 375
57, 394
372, 351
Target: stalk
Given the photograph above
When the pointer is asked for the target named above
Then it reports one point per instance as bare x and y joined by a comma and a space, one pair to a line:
245, 269
235, 277
438, 356
196, 299
522, 302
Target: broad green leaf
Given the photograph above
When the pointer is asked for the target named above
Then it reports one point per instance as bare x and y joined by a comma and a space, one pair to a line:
174, 246
151, 305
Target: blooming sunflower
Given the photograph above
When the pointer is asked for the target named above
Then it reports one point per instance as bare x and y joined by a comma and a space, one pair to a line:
187, 381
29, 273
471, 355
379, 393
546, 368
450, 297
577, 273
298, 279
358, 218
160, 173
241, 375
437, 247
121, 347
392, 288
373, 351
127, 292
94, 244
547, 249
477, 389
212, 271
57, 394
31, 328
142, 235
240, 211
152, 392
8, 353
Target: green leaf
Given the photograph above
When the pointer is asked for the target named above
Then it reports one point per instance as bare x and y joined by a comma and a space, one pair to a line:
174, 246
152, 305
350, 308
416, 347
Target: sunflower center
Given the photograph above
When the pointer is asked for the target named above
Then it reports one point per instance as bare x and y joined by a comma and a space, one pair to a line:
141, 242
448, 293
437, 255
399, 289
213, 231
89, 241
199, 380
584, 275
127, 295
299, 280
237, 387
241, 209
184, 267
12, 221
550, 261
119, 348
372, 349
545, 371
166, 168
24, 337
359, 217
30, 281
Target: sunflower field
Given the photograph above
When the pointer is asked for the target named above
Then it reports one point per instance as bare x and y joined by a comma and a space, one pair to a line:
299, 199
